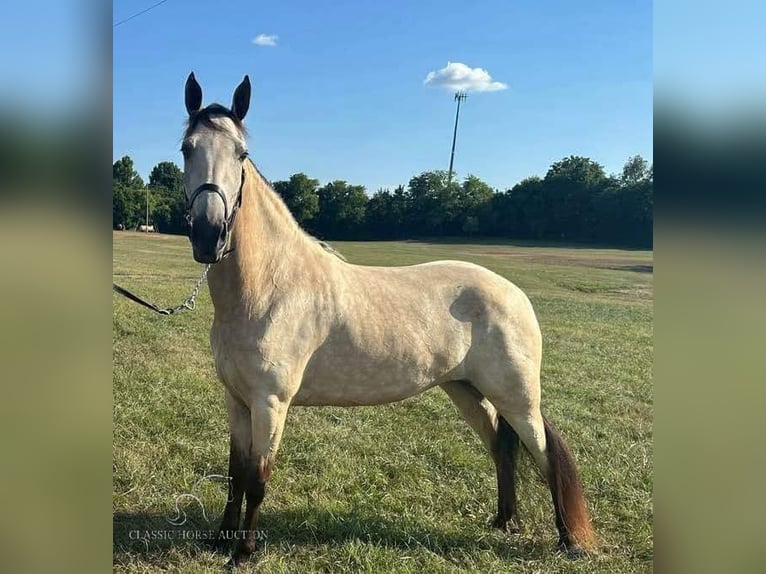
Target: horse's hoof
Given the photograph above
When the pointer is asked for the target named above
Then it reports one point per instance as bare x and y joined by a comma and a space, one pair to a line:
243, 552
509, 526
218, 545
572, 550
237, 559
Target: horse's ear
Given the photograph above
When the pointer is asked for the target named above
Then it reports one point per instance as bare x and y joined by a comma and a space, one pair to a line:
241, 101
193, 95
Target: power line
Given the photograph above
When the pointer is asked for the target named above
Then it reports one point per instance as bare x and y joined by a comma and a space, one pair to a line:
137, 14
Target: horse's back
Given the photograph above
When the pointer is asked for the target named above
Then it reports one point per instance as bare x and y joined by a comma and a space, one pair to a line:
470, 292
401, 330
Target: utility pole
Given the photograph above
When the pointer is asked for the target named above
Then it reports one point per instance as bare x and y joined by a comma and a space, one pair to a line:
459, 97
147, 208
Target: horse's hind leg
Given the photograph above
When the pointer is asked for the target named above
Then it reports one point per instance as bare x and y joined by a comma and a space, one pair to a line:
550, 452
500, 440
507, 449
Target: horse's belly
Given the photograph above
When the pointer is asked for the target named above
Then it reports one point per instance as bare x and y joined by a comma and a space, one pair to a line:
355, 377
349, 393
357, 391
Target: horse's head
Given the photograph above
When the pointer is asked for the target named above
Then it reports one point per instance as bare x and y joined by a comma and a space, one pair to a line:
214, 148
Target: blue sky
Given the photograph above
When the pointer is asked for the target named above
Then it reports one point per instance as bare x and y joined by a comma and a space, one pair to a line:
341, 95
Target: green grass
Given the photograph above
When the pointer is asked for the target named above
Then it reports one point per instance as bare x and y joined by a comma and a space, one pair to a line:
398, 488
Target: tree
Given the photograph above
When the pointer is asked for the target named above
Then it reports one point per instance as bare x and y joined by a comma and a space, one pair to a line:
526, 213
386, 214
377, 212
636, 170
125, 175
474, 205
473, 192
575, 201
167, 198
568, 188
341, 210
471, 225
300, 195
168, 176
432, 202
624, 209
128, 206
127, 193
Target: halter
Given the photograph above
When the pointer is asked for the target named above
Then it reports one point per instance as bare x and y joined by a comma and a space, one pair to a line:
213, 188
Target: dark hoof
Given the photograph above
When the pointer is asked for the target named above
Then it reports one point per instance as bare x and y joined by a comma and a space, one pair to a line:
243, 552
509, 526
218, 545
572, 550
576, 552
239, 558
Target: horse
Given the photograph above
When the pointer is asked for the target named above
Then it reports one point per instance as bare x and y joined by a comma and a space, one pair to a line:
146, 228
294, 325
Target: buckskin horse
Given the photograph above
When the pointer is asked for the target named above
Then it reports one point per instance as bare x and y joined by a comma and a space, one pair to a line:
295, 325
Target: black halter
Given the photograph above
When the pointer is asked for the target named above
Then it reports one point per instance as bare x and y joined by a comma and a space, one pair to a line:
213, 188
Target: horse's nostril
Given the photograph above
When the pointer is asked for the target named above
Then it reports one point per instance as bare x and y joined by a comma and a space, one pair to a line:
206, 236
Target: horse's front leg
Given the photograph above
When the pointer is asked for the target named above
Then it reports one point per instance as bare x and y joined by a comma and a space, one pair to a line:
267, 419
239, 449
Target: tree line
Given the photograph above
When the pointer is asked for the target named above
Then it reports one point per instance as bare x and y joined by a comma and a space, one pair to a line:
576, 201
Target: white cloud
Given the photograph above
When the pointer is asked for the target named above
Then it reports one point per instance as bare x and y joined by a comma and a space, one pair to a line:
265, 40
459, 77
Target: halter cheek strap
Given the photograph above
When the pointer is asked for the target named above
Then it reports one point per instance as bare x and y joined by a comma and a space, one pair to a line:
213, 188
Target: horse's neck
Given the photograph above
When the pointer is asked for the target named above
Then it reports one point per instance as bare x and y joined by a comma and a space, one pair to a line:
268, 249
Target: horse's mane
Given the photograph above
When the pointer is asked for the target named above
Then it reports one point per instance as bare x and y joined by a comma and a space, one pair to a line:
329, 248
323, 244
206, 115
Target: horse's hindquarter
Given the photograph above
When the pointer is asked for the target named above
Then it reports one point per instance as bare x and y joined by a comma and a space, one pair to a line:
401, 330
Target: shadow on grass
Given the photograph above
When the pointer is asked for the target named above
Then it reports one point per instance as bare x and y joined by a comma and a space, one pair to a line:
313, 528
508, 242
634, 268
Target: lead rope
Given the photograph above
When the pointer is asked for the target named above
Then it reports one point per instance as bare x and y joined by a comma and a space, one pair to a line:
188, 303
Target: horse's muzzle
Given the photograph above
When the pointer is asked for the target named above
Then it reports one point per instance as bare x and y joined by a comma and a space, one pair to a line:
208, 240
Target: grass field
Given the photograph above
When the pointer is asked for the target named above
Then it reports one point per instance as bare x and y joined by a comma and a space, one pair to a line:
398, 488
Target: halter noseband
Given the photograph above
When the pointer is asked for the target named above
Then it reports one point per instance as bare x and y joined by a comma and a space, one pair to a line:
213, 188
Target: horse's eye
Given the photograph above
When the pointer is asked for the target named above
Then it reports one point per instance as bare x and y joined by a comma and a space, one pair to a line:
243, 157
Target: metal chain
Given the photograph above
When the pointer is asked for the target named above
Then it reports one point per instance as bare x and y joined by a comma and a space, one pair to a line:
190, 302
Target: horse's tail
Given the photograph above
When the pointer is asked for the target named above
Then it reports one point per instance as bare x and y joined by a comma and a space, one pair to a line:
567, 491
